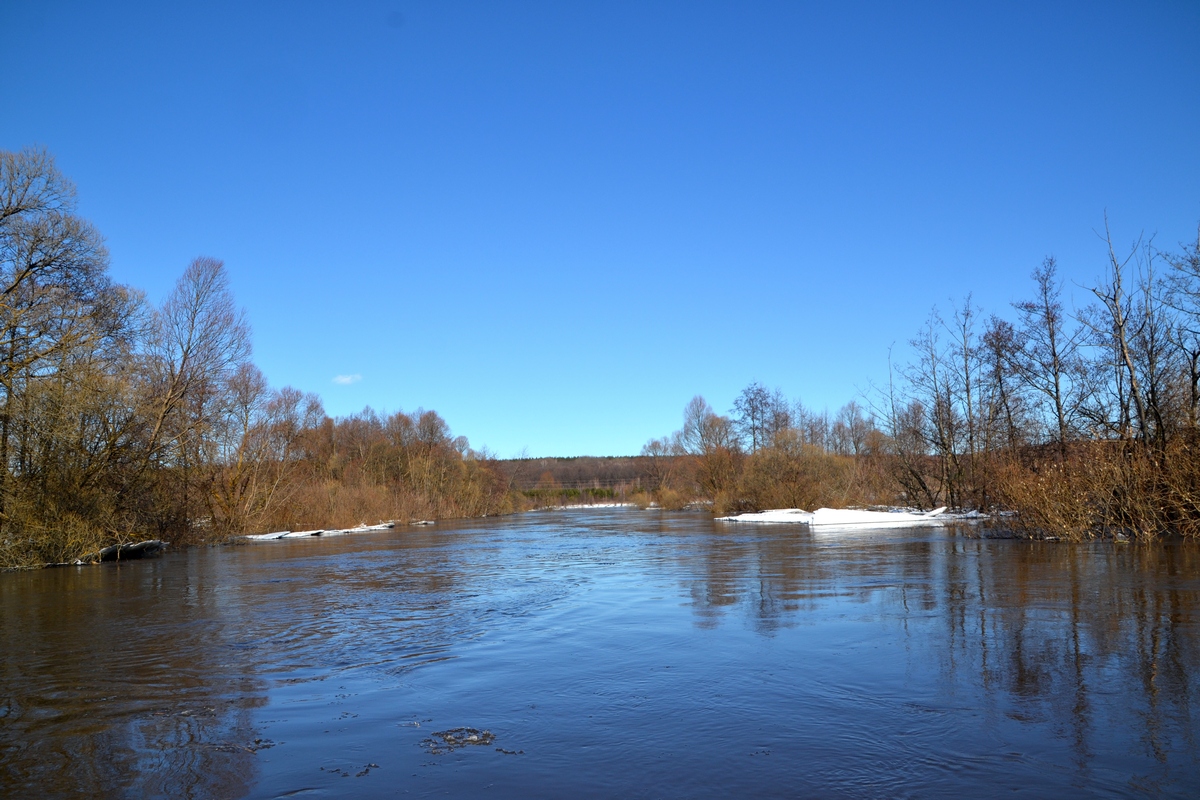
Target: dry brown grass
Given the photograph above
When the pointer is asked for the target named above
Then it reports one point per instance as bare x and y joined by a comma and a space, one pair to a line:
1106, 489
807, 477
58, 539
671, 499
333, 504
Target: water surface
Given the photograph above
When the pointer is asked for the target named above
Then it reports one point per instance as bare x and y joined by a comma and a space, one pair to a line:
609, 652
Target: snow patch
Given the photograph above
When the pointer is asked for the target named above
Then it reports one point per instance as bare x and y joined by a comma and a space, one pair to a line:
854, 518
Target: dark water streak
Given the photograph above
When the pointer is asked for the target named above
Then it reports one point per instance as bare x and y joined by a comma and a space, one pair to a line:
621, 652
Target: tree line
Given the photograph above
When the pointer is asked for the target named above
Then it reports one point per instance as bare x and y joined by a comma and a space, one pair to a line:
770, 452
1084, 421
120, 418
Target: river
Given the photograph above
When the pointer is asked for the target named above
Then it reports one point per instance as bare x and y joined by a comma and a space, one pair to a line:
608, 652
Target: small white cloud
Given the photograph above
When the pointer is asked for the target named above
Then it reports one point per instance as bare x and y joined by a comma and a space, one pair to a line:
346, 380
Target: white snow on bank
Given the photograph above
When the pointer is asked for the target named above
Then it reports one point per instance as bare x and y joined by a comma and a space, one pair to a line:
360, 529
854, 518
270, 537
266, 537
587, 506
796, 515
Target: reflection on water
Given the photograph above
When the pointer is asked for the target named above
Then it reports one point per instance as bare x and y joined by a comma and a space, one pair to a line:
610, 652
124, 681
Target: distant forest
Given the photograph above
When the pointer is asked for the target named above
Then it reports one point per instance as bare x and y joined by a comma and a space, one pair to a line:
120, 419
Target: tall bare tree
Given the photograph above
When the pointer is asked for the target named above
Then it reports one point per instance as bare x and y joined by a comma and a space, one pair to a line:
1114, 326
1047, 360
851, 430
760, 415
1184, 296
55, 294
198, 340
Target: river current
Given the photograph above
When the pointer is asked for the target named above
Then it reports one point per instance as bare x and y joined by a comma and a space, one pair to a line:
608, 652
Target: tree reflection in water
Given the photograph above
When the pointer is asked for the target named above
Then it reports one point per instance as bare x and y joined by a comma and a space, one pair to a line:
878, 660
112, 688
1050, 626
142, 679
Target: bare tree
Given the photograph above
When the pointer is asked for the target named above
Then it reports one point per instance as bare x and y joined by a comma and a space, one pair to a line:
257, 445
1184, 297
812, 427
54, 291
906, 442
198, 340
1156, 352
851, 430
963, 380
929, 381
1113, 328
760, 416
663, 455
1000, 348
711, 439
1048, 360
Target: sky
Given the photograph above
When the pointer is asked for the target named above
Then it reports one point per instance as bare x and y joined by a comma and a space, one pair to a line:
555, 223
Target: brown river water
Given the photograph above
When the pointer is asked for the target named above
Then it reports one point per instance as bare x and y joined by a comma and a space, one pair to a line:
603, 653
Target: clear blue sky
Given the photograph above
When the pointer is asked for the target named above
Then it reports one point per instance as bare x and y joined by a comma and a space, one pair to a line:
556, 222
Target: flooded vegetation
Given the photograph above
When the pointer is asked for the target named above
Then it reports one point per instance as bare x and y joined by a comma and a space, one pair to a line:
610, 651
